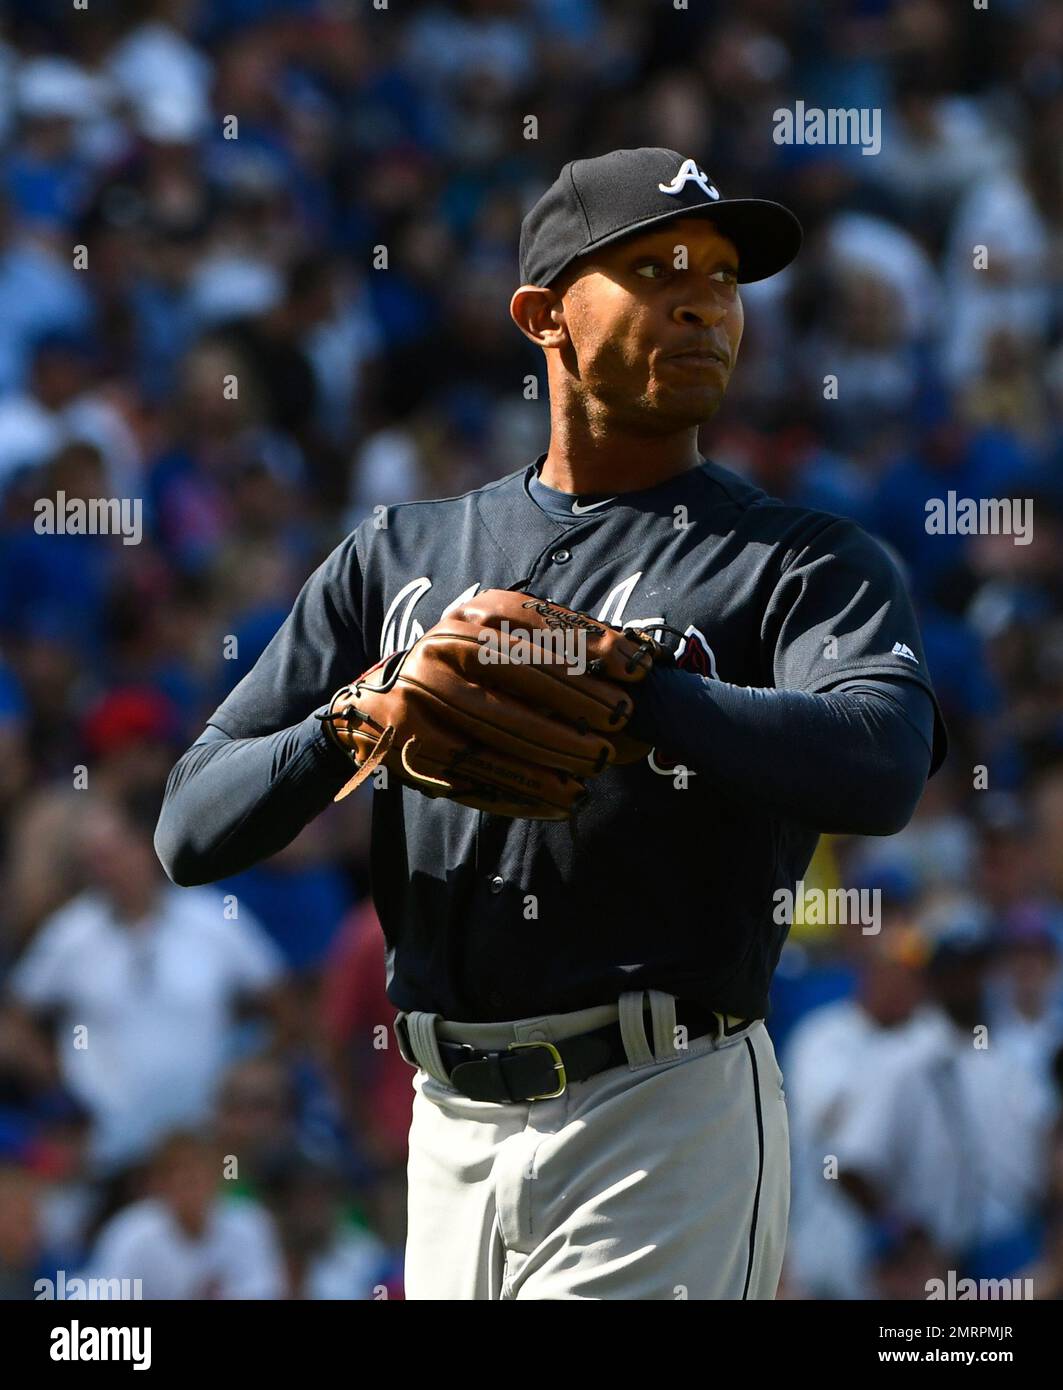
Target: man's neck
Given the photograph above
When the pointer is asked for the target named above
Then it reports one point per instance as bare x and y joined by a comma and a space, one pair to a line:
580, 461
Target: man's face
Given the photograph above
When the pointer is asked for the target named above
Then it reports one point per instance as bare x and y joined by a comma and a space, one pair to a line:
654, 323
187, 1184
114, 857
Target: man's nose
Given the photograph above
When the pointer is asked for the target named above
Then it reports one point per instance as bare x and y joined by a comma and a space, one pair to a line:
700, 311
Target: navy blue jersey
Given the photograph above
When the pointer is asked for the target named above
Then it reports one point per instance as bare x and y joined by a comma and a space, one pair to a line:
662, 883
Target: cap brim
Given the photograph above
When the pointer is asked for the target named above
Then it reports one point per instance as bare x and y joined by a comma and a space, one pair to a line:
767, 236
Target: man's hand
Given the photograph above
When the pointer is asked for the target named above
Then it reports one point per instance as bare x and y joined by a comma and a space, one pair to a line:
508, 705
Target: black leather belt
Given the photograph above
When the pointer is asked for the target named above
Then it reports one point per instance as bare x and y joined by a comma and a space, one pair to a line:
527, 1071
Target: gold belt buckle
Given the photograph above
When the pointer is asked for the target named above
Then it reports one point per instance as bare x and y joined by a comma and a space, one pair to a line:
559, 1067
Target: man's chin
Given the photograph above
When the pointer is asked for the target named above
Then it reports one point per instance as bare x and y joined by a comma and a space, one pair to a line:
668, 411
689, 409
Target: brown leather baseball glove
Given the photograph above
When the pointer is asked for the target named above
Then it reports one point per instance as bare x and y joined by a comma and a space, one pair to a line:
507, 705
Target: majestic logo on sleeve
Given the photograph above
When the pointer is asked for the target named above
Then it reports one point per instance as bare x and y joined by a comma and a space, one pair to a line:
690, 173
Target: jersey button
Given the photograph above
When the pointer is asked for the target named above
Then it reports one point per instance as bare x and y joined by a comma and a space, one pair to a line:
497, 884
561, 557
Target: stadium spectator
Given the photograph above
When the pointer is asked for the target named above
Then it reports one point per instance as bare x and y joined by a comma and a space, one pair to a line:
830, 1060
142, 983
187, 1240
945, 1149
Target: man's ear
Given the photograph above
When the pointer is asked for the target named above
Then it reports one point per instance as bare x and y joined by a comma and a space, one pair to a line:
540, 315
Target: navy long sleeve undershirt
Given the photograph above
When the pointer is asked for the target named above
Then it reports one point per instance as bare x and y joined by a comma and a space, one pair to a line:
231, 802
853, 760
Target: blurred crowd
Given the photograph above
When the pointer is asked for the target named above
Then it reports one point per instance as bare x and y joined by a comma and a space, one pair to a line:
255, 263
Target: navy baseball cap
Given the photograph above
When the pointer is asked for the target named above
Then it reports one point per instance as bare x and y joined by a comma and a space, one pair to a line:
598, 201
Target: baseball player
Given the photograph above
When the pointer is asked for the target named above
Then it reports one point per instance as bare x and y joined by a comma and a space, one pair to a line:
606, 705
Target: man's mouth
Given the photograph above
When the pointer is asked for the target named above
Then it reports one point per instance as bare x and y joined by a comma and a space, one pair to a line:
700, 357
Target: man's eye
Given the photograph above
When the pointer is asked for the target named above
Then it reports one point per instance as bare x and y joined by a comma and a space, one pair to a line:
730, 277
650, 270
